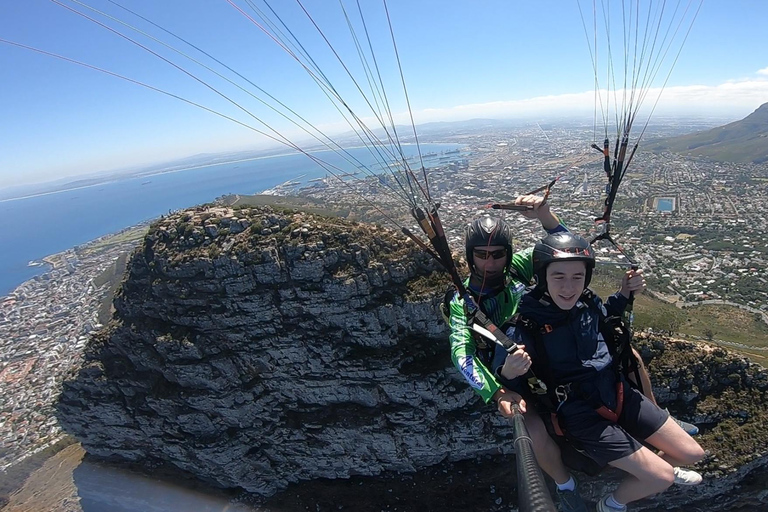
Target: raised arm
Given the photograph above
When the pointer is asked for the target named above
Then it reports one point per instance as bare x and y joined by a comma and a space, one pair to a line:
540, 211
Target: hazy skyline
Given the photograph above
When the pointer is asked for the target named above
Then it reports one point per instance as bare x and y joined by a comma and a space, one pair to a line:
460, 60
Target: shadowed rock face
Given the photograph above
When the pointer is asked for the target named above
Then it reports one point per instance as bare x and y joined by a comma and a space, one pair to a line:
296, 348
254, 348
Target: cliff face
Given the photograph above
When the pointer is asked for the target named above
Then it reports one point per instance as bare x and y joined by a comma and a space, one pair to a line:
254, 348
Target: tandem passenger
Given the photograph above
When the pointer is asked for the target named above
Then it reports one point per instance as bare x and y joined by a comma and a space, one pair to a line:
572, 341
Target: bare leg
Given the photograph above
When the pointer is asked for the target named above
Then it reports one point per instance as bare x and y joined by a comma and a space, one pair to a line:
679, 448
546, 450
648, 474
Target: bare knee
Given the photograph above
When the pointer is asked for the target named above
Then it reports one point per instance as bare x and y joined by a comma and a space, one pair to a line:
693, 453
651, 473
688, 451
678, 445
657, 478
663, 477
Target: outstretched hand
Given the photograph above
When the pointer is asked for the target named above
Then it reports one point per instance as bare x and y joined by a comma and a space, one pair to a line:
539, 210
632, 281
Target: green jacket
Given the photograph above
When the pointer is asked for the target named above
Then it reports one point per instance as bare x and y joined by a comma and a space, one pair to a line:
472, 354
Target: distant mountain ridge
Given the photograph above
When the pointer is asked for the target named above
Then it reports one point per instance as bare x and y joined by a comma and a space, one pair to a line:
741, 141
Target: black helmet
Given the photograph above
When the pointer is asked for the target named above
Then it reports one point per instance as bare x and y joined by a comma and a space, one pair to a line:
562, 246
486, 231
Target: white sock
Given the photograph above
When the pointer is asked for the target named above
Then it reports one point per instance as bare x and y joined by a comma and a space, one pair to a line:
570, 485
611, 502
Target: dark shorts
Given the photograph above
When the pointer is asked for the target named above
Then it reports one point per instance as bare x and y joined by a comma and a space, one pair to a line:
606, 441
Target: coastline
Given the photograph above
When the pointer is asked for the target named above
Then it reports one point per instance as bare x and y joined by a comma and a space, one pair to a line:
79, 212
45, 323
147, 174
57, 260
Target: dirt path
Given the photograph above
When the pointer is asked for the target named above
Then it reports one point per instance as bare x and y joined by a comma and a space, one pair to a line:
51, 488
67, 483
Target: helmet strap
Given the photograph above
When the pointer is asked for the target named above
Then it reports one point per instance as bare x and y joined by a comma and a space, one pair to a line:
484, 285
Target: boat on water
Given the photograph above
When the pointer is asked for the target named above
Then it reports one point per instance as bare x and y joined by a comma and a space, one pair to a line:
35, 263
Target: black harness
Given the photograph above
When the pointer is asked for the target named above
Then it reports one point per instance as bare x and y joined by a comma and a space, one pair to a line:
485, 348
617, 337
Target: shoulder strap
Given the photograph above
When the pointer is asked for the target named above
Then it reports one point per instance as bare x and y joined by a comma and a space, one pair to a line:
514, 274
476, 318
445, 306
539, 376
618, 337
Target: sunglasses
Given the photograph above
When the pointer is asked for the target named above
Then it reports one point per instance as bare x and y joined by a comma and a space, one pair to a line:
484, 255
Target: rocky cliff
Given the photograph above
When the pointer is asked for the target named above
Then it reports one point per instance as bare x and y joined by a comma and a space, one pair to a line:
255, 348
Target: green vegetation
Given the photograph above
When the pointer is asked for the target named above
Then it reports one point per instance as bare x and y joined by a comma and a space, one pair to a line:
180, 241
112, 276
706, 322
725, 323
307, 204
134, 234
742, 141
425, 286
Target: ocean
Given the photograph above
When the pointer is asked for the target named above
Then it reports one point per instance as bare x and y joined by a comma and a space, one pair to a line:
35, 227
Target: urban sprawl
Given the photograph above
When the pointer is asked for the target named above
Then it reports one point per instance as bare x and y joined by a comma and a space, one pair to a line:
697, 228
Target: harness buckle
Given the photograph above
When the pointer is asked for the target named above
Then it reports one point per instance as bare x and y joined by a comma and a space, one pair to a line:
537, 386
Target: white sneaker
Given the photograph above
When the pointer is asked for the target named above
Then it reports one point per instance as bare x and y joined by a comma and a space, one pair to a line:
687, 477
602, 506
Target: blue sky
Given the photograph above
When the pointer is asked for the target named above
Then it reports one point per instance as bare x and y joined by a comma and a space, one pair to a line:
461, 59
